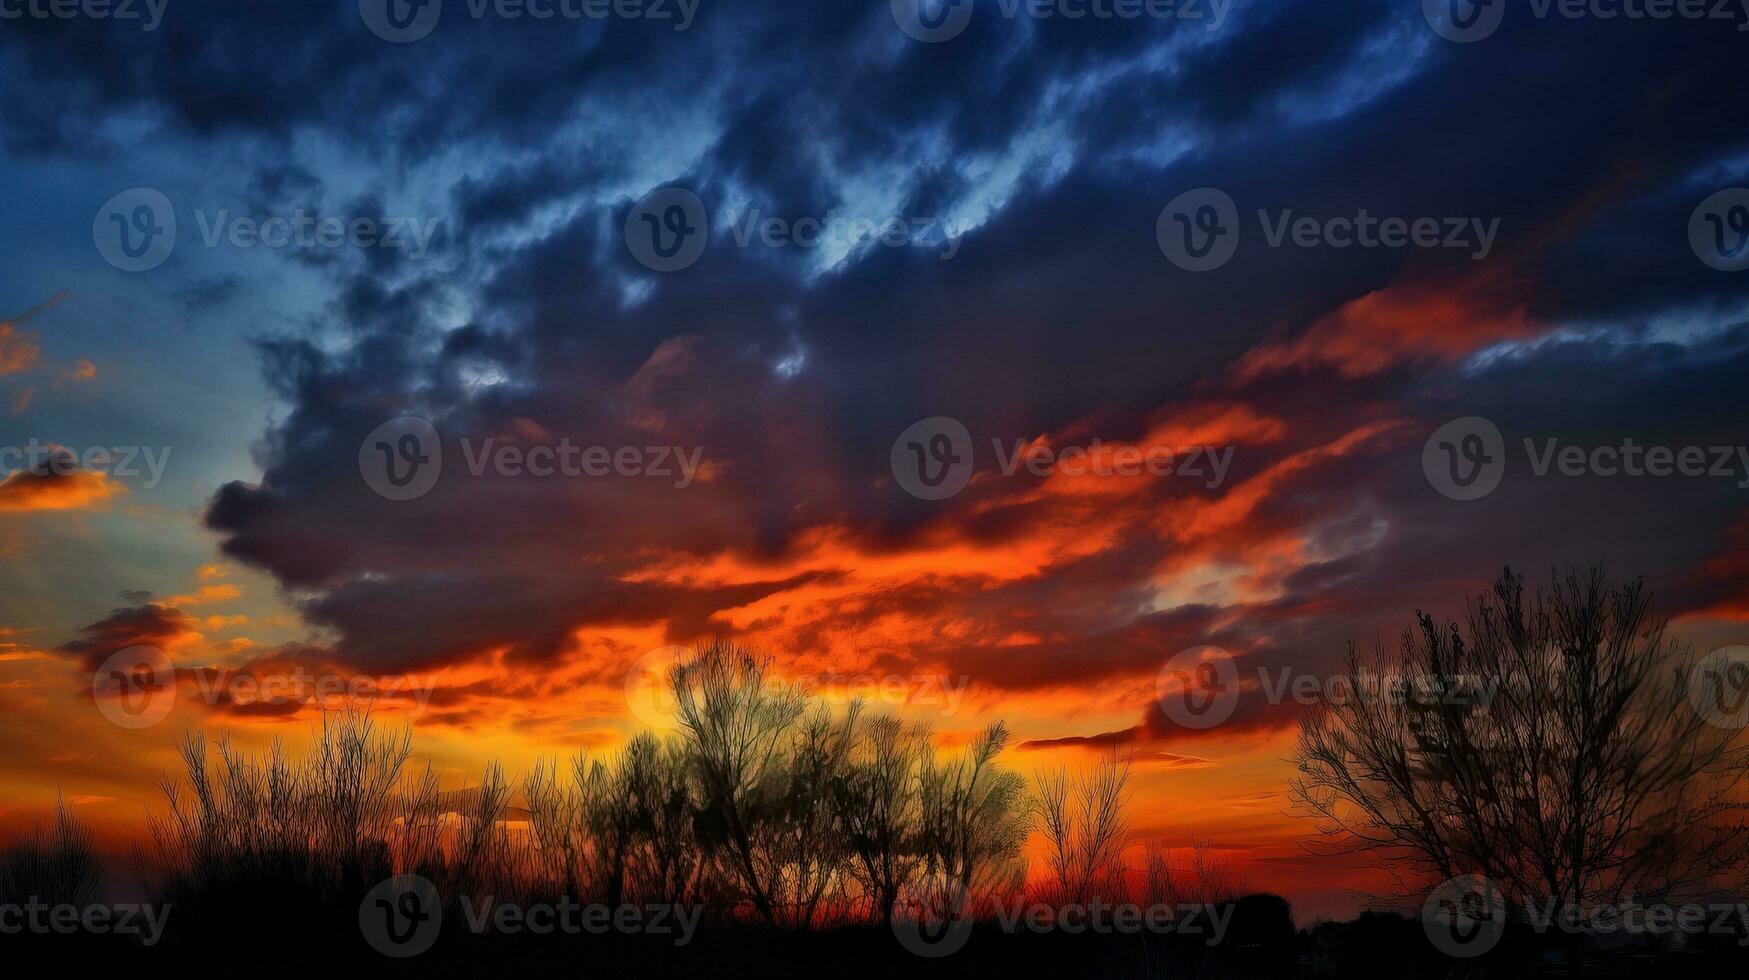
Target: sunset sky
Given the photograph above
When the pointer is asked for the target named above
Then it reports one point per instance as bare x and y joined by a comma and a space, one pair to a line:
1033, 302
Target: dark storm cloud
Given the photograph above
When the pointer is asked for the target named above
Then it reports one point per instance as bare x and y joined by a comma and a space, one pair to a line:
152, 625
1057, 143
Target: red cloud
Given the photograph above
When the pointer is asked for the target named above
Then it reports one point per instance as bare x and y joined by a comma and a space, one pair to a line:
1424, 321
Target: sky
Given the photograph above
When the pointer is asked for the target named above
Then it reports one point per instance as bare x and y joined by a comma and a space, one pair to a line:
877, 303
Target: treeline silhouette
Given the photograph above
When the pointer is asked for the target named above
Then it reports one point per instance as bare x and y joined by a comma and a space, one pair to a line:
809, 837
799, 831
762, 807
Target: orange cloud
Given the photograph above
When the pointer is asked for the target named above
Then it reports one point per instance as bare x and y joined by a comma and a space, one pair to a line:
206, 594
28, 490
18, 350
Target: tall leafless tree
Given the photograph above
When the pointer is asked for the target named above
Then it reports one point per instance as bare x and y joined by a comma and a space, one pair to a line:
1548, 743
1085, 828
974, 823
802, 839
666, 861
878, 799
737, 720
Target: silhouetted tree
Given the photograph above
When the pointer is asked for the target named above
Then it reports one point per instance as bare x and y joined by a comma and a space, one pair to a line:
1203, 878
974, 822
57, 865
759, 803
879, 803
1085, 828
802, 838
737, 722
666, 861
316, 826
1548, 744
